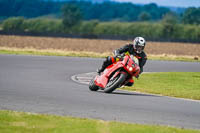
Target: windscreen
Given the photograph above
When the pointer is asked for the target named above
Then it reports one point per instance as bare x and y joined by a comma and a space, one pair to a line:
135, 59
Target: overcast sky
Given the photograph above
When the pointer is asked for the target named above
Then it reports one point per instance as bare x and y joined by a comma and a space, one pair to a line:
176, 3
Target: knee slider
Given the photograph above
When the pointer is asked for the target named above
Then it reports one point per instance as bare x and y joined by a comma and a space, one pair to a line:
129, 84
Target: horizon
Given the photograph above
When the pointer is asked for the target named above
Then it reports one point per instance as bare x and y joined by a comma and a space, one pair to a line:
166, 3
177, 3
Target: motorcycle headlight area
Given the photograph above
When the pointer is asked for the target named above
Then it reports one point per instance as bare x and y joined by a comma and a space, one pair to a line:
130, 68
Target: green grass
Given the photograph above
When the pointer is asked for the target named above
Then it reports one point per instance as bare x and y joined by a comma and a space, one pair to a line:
176, 84
52, 52
173, 58
18, 122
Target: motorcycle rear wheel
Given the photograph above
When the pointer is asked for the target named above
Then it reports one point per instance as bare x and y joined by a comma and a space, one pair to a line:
115, 83
92, 86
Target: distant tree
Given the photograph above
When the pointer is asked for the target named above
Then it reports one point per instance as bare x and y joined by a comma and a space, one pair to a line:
144, 16
169, 22
13, 24
155, 11
71, 15
191, 16
109, 11
170, 18
27, 8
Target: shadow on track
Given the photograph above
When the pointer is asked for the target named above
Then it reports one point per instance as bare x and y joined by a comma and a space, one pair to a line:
133, 94
130, 94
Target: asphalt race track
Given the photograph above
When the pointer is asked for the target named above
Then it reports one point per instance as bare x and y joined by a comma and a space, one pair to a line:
43, 84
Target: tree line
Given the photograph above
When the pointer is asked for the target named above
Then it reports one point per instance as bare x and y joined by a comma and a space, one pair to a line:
107, 11
166, 30
150, 21
27, 8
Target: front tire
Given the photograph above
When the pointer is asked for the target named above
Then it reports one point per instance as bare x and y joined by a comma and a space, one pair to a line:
115, 83
92, 86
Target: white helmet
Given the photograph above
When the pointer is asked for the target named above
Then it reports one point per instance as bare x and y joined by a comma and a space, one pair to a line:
139, 44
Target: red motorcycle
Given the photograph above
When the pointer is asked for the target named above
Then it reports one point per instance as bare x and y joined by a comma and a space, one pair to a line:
116, 75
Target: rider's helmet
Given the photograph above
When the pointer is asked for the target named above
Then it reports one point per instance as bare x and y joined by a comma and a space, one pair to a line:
139, 44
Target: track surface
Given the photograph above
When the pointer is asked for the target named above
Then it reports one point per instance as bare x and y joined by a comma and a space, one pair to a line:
43, 84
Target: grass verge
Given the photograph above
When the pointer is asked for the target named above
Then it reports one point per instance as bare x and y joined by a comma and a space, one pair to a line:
176, 84
50, 52
18, 122
174, 58
53, 52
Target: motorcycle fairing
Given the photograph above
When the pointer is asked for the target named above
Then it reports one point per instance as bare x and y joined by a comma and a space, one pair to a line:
102, 80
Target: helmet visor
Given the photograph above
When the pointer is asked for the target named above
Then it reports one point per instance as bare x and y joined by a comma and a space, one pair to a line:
139, 49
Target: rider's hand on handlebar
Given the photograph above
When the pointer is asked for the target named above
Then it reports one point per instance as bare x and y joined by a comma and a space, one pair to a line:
120, 56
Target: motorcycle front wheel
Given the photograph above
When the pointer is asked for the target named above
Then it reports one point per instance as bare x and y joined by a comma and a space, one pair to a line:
115, 83
92, 86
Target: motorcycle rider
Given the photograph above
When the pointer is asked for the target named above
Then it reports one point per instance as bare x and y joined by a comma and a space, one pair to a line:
135, 49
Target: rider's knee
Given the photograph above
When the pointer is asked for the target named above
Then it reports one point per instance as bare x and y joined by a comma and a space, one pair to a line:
110, 59
129, 84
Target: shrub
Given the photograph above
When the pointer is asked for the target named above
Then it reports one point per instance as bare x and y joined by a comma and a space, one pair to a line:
88, 27
43, 25
167, 30
13, 24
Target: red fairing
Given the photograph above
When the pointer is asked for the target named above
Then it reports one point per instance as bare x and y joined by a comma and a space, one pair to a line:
126, 66
102, 80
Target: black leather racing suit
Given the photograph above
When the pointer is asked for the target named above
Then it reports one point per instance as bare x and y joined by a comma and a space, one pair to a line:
129, 48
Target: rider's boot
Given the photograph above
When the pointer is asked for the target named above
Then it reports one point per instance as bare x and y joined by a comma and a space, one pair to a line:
103, 67
106, 63
130, 83
100, 70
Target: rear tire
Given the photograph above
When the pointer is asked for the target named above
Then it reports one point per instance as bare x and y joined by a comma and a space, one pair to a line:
92, 86
117, 82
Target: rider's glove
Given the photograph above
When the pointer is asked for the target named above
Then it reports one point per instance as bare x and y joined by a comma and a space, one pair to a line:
120, 56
